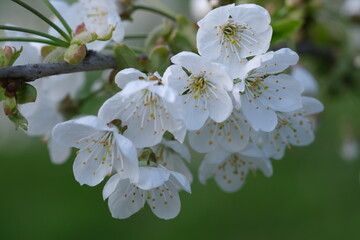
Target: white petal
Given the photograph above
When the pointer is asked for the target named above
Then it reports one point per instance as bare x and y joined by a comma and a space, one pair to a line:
123, 202
276, 62
312, 105
110, 185
151, 177
220, 107
128, 75
179, 148
180, 181
58, 153
256, 16
164, 202
69, 132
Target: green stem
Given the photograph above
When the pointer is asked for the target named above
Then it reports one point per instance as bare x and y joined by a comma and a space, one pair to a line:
154, 10
58, 15
10, 39
45, 19
25, 30
130, 37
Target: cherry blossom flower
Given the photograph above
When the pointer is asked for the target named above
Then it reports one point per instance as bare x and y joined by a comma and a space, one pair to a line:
171, 154
229, 170
263, 89
156, 185
293, 128
232, 135
102, 150
146, 106
302, 75
230, 33
202, 89
100, 17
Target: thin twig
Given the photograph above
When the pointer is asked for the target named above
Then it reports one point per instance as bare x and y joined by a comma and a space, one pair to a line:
93, 61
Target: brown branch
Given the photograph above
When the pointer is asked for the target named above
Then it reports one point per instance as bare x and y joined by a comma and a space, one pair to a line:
93, 61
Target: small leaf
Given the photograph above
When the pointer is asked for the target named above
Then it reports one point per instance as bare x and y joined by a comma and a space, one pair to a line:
27, 93
19, 120
125, 57
83, 38
284, 29
159, 59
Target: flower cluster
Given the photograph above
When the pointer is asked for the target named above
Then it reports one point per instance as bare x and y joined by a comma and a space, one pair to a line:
234, 100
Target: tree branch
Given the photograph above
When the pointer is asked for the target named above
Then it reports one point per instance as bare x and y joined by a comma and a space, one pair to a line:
28, 73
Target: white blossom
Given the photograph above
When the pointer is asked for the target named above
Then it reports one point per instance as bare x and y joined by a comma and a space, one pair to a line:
146, 106
102, 149
156, 185
99, 17
232, 134
303, 76
263, 89
171, 154
203, 93
229, 170
293, 128
230, 33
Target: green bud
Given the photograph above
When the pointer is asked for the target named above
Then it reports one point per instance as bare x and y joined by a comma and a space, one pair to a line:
10, 106
125, 57
8, 56
26, 93
75, 54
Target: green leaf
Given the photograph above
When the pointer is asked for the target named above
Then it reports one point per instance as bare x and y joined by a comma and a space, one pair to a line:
19, 120
285, 28
159, 59
27, 93
125, 57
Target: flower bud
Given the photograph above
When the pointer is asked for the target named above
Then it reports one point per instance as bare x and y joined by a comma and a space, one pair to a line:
75, 54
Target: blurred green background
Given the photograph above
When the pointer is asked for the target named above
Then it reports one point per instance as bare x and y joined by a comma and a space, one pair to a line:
313, 194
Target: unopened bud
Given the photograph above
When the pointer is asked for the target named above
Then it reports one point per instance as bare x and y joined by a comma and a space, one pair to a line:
75, 54
10, 107
8, 56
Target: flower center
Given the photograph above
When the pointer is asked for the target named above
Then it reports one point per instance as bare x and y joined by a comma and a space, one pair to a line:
198, 85
232, 33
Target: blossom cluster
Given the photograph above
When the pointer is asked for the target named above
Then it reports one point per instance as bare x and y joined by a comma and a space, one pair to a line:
234, 101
